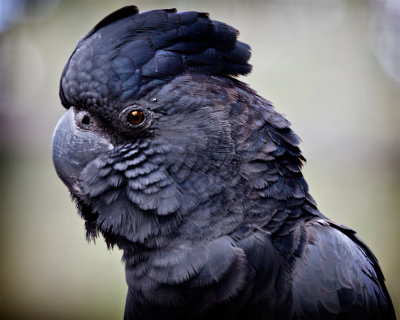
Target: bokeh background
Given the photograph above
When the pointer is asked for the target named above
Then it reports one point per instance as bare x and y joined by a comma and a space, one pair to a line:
331, 66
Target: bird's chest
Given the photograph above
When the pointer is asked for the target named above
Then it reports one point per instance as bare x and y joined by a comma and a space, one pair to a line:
216, 278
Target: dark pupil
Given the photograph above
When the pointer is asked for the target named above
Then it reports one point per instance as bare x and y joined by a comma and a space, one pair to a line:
136, 117
86, 120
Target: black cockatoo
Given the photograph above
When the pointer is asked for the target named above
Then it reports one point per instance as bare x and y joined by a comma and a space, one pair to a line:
198, 179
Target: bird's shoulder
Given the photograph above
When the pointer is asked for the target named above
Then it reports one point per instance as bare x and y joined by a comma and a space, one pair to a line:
338, 276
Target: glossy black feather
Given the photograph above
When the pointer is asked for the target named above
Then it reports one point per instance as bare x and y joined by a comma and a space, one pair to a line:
338, 277
128, 54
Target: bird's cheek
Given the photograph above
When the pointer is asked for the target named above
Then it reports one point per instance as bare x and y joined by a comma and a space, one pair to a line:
73, 148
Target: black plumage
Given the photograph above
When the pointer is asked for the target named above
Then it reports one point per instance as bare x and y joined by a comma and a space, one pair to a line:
198, 179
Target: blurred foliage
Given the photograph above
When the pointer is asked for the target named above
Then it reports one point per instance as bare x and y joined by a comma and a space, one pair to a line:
316, 60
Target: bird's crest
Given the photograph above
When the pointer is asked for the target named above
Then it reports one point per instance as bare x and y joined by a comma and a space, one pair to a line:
142, 50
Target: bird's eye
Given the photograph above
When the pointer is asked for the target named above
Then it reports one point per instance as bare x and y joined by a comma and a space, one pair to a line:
136, 117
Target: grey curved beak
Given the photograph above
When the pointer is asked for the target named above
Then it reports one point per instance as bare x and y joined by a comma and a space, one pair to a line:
73, 148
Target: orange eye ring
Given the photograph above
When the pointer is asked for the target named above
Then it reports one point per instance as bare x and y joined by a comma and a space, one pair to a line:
136, 117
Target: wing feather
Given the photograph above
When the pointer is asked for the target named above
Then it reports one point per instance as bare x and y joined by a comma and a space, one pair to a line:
338, 277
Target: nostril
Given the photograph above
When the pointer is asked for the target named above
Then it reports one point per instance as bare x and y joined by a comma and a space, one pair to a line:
85, 120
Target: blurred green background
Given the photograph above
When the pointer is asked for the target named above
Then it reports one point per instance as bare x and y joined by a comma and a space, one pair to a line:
330, 66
